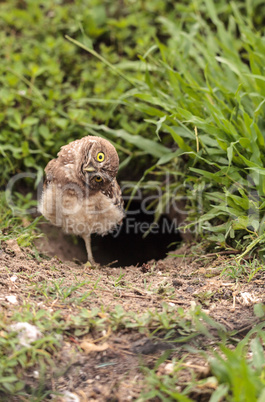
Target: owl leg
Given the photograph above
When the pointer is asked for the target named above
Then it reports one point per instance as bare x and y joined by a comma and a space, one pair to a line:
90, 258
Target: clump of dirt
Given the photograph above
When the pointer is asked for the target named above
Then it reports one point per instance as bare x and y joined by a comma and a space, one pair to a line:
55, 243
114, 373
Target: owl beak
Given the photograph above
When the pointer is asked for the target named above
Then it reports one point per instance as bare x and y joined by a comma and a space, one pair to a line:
90, 169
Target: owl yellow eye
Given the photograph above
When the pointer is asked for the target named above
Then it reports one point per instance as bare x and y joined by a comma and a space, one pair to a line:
100, 157
98, 179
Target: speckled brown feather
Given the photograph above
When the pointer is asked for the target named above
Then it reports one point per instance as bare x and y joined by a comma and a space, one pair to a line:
66, 180
114, 192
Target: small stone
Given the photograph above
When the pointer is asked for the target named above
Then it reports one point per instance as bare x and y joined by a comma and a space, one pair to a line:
169, 367
12, 299
27, 333
70, 397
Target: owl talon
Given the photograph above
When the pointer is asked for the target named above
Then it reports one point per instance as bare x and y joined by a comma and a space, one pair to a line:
92, 265
89, 265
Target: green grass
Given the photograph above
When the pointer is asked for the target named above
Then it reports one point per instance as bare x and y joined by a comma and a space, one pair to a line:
207, 94
20, 227
243, 270
239, 376
50, 90
63, 311
16, 361
178, 87
207, 98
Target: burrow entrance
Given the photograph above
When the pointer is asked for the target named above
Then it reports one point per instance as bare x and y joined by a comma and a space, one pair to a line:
126, 246
129, 246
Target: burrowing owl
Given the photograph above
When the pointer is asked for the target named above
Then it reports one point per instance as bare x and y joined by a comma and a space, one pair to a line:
80, 192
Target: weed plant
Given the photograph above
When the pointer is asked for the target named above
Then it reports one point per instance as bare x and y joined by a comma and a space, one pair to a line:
177, 86
204, 94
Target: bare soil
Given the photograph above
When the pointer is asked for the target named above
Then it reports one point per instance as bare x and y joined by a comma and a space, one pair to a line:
115, 372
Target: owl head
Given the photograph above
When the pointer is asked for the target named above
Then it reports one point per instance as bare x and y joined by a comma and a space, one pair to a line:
99, 163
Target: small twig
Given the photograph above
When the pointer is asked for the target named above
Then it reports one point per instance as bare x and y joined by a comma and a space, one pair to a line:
222, 253
126, 352
127, 294
136, 296
83, 395
111, 263
148, 296
54, 302
104, 336
203, 368
248, 327
234, 301
227, 324
176, 301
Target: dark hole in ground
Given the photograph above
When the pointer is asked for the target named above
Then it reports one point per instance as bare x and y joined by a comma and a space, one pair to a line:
128, 246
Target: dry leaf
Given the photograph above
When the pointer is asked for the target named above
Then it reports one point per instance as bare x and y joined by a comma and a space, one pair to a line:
211, 382
89, 347
247, 299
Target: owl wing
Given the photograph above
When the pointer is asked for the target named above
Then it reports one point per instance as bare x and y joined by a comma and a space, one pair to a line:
55, 173
50, 172
61, 170
114, 192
